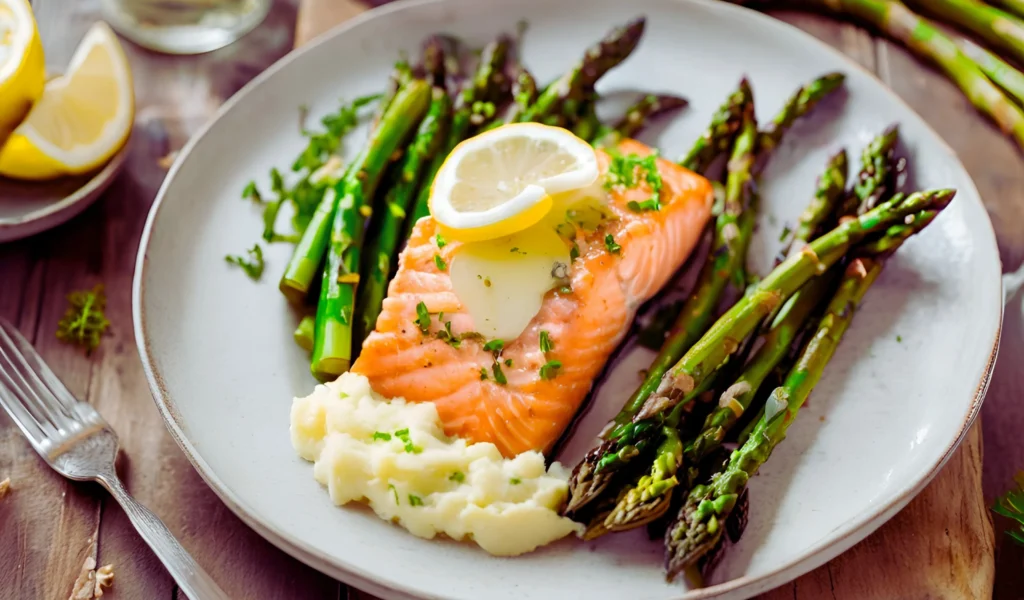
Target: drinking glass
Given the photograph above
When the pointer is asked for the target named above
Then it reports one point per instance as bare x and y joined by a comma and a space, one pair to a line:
184, 26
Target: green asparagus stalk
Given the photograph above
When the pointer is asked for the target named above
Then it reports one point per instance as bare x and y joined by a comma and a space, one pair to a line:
998, 28
401, 74
524, 94
434, 61
304, 333
333, 338
998, 70
586, 125
894, 19
700, 526
722, 339
1015, 7
830, 191
386, 231
799, 104
719, 135
566, 95
480, 91
639, 115
876, 163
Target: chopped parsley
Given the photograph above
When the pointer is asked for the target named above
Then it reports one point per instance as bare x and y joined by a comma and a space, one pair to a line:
457, 476
381, 435
574, 252
495, 346
252, 264
447, 335
415, 500
899, 339
516, 250
403, 435
84, 321
785, 233
422, 317
515, 481
499, 375
250, 192
609, 243
628, 171
483, 374
550, 369
441, 243
545, 342
508, 362
441, 265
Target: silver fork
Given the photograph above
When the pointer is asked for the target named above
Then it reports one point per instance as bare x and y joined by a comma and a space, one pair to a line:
75, 440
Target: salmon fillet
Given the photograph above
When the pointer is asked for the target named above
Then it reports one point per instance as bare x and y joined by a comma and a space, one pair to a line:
585, 326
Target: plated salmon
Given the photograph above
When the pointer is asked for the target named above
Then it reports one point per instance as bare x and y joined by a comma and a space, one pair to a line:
531, 397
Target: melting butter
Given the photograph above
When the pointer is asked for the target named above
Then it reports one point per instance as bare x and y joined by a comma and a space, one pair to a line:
502, 282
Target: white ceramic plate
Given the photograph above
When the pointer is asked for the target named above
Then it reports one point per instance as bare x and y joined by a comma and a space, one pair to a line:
30, 207
223, 367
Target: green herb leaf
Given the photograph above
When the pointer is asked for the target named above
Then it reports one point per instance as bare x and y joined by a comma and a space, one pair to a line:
440, 241
439, 262
457, 476
250, 192
381, 435
495, 346
609, 243
422, 317
84, 321
574, 252
545, 342
550, 369
252, 265
515, 481
402, 433
508, 362
646, 205
415, 500
627, 171
785, 233
395, 492
499, 375
483, 374
1011, 506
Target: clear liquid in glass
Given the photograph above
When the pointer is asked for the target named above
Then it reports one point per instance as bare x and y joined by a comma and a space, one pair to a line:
184, 26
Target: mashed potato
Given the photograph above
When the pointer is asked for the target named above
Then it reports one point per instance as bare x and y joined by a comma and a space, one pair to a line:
396, 456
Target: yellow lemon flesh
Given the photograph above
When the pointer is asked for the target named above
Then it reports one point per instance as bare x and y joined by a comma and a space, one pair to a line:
83, 117
22, 66
501, 182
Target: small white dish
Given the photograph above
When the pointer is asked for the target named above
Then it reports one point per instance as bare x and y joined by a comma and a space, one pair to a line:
894, 403
31, 207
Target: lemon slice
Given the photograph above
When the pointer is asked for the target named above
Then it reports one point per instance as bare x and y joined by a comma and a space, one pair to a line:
83, 118
501, 182
22, 67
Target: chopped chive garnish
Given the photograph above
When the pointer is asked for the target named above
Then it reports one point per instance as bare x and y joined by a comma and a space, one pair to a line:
545, 342
483, 374
422, 317
499, 375
495, 346
440, 241
609, 243
402, 433
574, 252
381, 435
395, 492
457, 476
550, 369
785, 233
508, 362
415, 500
515, 481
646, 205
441, 265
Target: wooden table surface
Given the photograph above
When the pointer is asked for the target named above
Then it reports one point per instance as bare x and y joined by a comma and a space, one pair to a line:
941, 546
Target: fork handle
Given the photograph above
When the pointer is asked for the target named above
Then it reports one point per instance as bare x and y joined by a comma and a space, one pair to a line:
189, 576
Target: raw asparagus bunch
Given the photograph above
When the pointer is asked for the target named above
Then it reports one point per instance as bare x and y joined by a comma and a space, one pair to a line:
998, 28
700, 525
894, 19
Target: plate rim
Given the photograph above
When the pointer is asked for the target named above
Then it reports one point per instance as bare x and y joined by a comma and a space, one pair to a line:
68, 207
844, 537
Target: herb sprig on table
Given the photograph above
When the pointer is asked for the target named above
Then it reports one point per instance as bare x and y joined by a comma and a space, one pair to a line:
85, 321
1011, 506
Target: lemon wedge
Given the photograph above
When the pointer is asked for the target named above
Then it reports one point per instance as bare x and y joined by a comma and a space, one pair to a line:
83, 117
22, 66
501, 182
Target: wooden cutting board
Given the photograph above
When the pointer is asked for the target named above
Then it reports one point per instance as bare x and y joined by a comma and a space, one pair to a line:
942, 544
